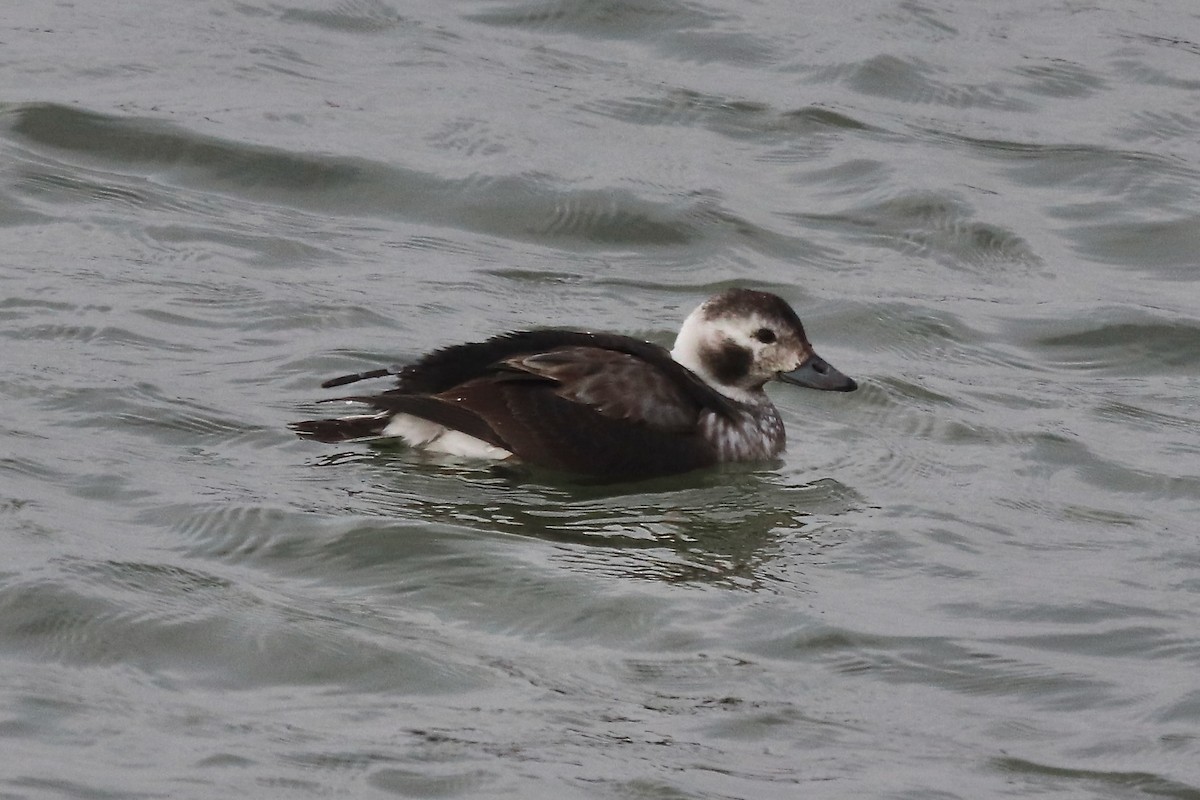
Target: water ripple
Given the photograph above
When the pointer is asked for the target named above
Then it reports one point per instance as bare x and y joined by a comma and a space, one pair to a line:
1125, 343
913, 80
937, 226
161, 617
612, 18
1038, 774
355, 16
520, 207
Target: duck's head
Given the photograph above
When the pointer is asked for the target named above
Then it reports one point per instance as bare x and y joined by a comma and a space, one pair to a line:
739, 339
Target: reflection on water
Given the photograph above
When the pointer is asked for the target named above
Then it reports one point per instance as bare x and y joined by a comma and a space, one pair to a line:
973, 577
720, 526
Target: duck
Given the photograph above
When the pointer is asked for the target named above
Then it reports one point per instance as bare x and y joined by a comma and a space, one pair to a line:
600, 405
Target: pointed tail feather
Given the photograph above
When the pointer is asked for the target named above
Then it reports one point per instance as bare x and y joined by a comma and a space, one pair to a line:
356, 377
342, 429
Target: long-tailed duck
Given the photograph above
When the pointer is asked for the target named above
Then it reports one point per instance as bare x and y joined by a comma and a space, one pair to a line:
601, 404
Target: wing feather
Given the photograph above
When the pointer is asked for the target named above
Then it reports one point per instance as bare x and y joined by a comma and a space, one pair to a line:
616, 385
453, 366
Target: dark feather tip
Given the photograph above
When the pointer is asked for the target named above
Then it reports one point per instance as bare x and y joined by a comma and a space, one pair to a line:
355, 378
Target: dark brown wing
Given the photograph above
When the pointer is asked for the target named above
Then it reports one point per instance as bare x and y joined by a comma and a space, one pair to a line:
453, 366
587, 410
616, 385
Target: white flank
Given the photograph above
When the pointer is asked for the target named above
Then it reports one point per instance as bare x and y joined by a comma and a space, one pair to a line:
426, 435
457, 443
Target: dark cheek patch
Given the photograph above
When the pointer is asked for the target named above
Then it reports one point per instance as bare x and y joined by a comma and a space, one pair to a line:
729, 363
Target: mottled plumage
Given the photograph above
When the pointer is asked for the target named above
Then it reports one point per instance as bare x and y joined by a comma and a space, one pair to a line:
599, 404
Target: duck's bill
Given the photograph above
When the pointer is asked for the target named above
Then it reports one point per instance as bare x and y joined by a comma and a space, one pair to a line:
816, 373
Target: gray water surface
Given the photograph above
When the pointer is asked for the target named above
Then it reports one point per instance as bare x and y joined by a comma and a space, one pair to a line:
978, 576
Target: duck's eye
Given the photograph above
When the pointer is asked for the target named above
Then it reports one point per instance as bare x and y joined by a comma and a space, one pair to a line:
765, 335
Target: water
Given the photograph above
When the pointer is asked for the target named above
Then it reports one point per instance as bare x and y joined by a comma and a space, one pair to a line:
974, 577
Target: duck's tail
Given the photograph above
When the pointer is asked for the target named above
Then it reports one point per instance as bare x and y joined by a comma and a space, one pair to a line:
342, 429
359, 376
